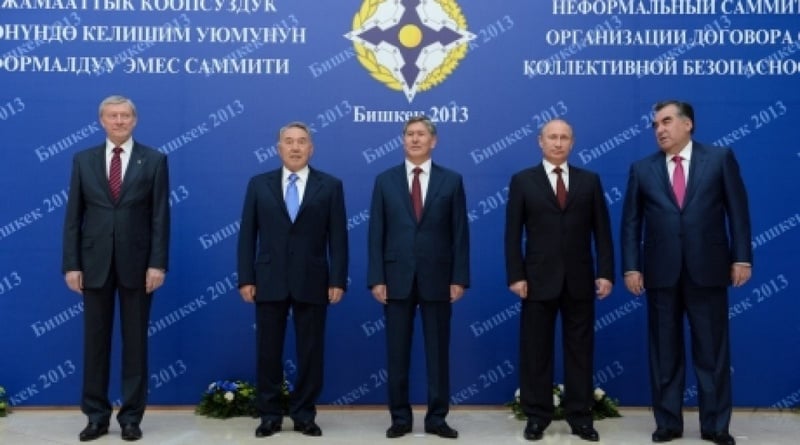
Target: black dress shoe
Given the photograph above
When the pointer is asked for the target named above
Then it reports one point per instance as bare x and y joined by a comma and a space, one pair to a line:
92, 431
442, 430
268, 428
586, 432
533, 430
308, 428
131, 431
398, 430
666, 435
719, 438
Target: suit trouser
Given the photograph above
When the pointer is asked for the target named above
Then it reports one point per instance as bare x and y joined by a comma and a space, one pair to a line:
707, 312
537, 337
436, 332
134, 311
309, 326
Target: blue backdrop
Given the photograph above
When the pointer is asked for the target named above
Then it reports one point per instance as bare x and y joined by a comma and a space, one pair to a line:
214, 80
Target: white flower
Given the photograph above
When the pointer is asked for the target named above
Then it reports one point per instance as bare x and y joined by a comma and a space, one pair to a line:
561, 388
229, 396
212, 386
516, 394
599, 394
556, 400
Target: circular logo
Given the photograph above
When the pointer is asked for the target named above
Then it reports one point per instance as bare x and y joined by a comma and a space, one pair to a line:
410, 45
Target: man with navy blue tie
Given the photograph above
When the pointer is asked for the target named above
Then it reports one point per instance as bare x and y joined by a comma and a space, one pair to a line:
685, 239
292, 255
418, 257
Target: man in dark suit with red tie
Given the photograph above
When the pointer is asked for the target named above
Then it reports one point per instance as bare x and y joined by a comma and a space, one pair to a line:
560, 213
292, 255
116, 241
418, 257
685, 239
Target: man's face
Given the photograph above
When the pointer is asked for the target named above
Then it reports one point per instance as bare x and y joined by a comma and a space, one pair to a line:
418, 143
295, 148
119, 121
556, 142
673, 131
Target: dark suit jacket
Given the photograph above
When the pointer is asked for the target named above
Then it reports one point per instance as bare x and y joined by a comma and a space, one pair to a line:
435, 250
558, 244
711, 232
133, 234
301, 259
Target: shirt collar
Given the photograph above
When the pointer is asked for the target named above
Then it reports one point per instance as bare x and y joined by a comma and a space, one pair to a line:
127, 146
425, 166
549, 166
302, 174
685, 153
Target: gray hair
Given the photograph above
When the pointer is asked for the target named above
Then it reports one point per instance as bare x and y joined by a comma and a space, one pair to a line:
295, 124
116, 100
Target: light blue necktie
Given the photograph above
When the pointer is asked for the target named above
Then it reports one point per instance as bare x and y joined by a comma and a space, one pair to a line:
292, 198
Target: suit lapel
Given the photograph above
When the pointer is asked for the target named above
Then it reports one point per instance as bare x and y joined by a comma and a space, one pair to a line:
542, 180
697, 166
313, 186
99, 169
658, 166
435, 181
136, 164
399, 181
577, 181
275, 186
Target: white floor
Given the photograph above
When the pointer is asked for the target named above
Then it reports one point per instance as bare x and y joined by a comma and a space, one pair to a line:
367, 426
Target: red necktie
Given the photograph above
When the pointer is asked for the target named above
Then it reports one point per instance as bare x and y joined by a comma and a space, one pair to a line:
561, 188
416, 193
678, 181
115, 174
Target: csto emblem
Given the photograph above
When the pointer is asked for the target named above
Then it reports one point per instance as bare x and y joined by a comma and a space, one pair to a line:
410, 45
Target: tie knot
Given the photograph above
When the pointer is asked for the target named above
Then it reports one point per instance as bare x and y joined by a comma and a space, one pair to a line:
117, 150
557, 171
293, 178
417, 171
677, 158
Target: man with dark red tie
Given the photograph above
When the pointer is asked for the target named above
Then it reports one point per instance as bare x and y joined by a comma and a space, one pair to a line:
560, 212
685, 239
418, 257
116, 241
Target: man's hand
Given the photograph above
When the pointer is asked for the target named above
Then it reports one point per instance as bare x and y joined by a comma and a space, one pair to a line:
335, 294
603, 287
74, 279
379, 292
248, 293
634, 282
740, 273
520, 288
456, 292
154, 279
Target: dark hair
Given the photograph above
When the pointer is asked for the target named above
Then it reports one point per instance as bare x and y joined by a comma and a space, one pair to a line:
684, 109
421, 118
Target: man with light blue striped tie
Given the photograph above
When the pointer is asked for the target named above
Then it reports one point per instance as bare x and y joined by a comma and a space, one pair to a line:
292, 199
292, 255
